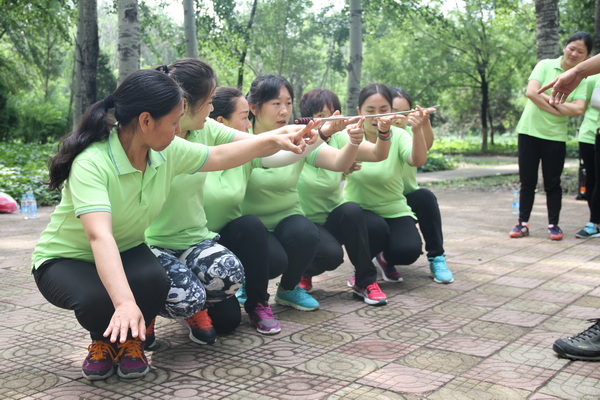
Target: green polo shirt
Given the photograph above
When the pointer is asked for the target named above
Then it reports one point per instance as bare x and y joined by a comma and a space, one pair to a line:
224, 192
181, 223
409, 173
591, 119
318, 188
378, 186
539, 123
103, 179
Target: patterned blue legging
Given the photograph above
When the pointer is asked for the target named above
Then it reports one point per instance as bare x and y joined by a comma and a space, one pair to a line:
203, 274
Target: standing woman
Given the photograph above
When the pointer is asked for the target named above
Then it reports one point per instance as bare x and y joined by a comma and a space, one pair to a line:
92, 258
587, 137
271, 194
378, 187
422, 201
542, 133
339, 222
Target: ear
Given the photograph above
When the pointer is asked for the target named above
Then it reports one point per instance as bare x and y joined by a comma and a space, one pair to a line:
253, 108
220, 119
358, 110
145, 121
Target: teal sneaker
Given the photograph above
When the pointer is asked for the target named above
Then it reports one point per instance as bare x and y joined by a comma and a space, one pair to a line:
241, 294
297, 298
439, 270
589, 231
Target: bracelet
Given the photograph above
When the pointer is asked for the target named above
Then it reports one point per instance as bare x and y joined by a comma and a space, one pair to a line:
322, 135
384, 135
354, 144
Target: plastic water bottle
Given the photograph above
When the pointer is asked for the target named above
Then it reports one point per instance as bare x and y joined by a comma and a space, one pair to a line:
32, 205
24, 207
515, 202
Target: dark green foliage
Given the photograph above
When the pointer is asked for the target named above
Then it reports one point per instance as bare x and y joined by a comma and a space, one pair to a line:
23, 168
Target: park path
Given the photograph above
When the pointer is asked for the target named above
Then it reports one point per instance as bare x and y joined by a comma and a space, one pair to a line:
487, 335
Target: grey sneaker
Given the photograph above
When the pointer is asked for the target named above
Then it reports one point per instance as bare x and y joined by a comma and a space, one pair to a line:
584, 346
589, 231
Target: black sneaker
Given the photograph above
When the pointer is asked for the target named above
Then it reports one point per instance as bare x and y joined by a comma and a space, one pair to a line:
200, 327
584, 346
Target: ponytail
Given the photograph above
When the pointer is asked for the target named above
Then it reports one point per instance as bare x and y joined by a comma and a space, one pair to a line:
142, 91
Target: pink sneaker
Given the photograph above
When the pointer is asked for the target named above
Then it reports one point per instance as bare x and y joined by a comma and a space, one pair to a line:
388, 272
351, 281
306, 284
371, 295
263, 320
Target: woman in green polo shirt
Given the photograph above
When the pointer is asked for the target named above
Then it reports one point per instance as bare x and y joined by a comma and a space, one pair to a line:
379, 187
587, 137
542, 133
92, 258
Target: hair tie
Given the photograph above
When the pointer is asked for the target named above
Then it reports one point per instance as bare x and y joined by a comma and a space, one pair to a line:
109, 102
165, 69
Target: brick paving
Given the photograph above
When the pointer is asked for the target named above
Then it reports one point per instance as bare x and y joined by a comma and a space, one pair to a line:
486, 336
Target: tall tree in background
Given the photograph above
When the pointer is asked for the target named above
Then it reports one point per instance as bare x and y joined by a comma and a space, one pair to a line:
546, 28
86, 59
129, 38
189, 24
355, 64
245, 44
597, 28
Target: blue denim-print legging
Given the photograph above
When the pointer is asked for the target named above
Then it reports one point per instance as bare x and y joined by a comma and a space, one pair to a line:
203, 274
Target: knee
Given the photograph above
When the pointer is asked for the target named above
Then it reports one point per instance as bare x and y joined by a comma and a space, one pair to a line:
226, 315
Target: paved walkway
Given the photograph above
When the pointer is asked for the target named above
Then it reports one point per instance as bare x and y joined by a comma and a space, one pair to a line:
486, 336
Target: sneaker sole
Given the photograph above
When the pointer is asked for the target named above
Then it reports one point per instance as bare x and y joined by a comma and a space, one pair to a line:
518, 235
269, 332
369, 301
595, 235
558, 350
439, 281
383, 276
133, 375
98, 377
151, 346
294, 305
191, 336
556, 238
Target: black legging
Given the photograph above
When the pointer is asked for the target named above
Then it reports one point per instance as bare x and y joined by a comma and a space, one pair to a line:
75, 285
595, 196
425, 206
552, 154
398, 238
586, 153
248, 238
345, 225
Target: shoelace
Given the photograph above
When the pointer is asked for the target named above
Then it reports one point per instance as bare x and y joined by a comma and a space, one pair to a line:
131, 348
589, 332
99, 348
264, 312
440, 265
200, 320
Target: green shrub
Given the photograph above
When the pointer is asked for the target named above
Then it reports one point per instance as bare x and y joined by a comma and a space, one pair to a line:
23, 168
438, 162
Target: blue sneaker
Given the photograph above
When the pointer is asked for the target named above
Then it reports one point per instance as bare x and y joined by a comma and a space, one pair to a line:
589, 231
297, 298
241, 294
439, 270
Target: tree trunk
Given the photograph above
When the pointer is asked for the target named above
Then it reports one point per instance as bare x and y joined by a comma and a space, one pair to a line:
129, 38
546, 28
485, 103
86, 58
355, 64
189, 23
284, 38
242, 60
597, 28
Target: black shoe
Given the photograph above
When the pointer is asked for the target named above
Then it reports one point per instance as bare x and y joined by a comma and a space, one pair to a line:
584, 346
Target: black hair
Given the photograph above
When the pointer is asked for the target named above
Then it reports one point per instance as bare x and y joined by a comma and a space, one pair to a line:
585, 37
143, 91
266, 88
372, 89
196, 77
224, 101
398, 92
315, 100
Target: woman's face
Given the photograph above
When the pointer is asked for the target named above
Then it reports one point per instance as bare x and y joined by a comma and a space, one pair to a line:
574, 53
324, 113
239, 117
400, 104
164, 129
195, 118
374, 104
274, 113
